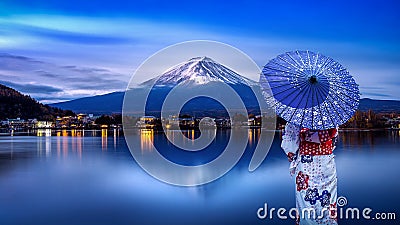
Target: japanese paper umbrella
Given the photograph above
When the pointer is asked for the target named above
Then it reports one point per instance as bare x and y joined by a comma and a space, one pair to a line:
310, 90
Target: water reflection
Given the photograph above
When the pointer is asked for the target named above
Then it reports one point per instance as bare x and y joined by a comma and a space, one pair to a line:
44, 132
395, 136
44, 142
104, 135
351, 139
64, 143
254, 135
191, 135
146, 140
116, 134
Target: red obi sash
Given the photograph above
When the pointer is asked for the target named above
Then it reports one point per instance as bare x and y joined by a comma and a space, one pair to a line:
325, 147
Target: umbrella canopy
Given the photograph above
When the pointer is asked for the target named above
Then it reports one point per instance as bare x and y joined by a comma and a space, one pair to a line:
310, 90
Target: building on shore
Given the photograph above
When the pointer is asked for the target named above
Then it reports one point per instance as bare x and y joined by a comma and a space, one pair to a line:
43, 125
146, 122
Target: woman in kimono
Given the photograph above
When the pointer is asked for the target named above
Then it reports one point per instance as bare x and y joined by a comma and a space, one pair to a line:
314, 168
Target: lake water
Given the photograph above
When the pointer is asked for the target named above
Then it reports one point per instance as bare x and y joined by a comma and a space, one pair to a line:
90, 177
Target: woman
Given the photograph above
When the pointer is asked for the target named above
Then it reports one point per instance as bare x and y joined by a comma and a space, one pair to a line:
314, 168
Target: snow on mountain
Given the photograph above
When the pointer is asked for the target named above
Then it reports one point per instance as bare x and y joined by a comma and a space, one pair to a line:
198, 71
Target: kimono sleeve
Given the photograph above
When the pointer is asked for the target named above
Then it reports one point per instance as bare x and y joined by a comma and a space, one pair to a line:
333, 132
290, 138
334, 135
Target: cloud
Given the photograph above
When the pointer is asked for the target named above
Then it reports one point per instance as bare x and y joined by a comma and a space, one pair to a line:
49, 82
62, 35
84, 78
376, 95
379, 92
17, 62
32, 88
23, 30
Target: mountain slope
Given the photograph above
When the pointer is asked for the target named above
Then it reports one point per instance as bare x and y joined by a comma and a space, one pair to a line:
99, 104
13, 104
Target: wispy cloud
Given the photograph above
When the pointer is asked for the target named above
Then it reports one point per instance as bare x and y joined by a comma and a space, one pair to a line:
376, 95
32, 88
50, 82
78, 37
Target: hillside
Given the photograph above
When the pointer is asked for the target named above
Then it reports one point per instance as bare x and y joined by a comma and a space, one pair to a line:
99, 104
379, 105
14, 104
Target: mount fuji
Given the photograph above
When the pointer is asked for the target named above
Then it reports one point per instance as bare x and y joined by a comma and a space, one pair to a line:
199, 71
197, 75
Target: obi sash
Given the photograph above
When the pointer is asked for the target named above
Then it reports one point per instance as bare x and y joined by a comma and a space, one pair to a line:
316, 142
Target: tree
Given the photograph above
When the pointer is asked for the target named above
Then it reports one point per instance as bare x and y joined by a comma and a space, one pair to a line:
104, 120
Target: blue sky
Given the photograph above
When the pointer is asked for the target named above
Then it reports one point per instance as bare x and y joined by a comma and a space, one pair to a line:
61, 50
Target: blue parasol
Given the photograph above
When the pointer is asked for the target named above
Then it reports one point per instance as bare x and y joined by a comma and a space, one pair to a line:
310, 90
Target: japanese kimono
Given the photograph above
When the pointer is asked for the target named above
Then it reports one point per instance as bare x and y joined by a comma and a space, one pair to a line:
314, 168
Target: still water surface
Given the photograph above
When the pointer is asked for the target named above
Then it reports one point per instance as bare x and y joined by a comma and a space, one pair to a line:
90, 177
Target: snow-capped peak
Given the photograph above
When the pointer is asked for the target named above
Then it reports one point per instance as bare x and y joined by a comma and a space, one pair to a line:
201, 70
201, 58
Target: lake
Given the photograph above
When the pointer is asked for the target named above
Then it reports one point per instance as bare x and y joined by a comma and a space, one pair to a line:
90, 177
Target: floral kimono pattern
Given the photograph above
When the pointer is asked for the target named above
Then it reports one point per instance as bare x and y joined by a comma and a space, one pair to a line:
313, 166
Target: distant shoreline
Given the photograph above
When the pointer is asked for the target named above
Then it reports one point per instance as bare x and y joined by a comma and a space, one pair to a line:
6, 130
